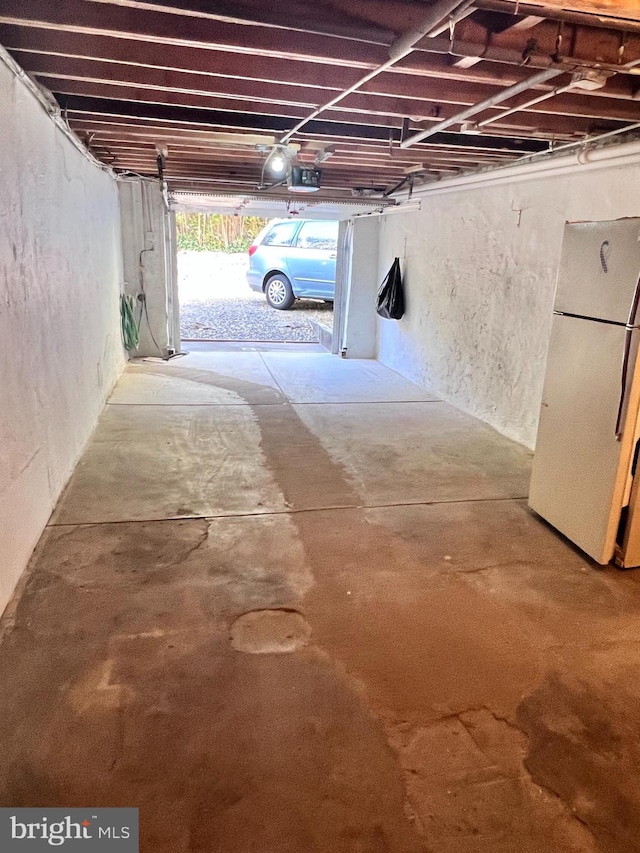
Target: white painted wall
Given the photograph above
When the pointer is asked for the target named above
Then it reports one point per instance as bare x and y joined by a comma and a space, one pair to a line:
60, 350
480, 277
150, 264
361, 274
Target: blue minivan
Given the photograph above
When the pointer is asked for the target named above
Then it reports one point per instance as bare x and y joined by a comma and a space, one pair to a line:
292, 259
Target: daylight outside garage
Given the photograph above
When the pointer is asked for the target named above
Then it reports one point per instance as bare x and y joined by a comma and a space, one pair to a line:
284, 257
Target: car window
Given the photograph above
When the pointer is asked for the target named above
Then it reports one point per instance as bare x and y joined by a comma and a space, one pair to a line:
281, 234
318, 235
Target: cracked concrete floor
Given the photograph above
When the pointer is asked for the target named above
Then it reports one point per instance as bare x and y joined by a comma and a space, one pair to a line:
470, 680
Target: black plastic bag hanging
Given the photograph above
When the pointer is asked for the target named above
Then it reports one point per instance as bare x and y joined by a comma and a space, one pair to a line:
390, 304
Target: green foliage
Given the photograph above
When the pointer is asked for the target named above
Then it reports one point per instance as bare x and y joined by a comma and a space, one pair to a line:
205, 232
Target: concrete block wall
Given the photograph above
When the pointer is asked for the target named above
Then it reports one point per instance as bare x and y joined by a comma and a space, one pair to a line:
480, 266
60, 344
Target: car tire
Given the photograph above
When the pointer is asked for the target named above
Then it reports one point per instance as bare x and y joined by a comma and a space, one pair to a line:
279, 292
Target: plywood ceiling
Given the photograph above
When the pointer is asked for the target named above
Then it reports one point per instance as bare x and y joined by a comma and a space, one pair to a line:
217, 83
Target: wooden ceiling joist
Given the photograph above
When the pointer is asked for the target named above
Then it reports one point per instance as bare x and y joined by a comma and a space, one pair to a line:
78, 76
213, 78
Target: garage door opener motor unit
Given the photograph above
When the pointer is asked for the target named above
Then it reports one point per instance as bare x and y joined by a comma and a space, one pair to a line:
301, 179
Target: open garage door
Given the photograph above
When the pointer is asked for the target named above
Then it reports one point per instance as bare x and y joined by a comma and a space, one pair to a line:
247, 278
261, 271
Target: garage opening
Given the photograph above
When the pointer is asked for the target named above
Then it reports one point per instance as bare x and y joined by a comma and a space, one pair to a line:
255, 279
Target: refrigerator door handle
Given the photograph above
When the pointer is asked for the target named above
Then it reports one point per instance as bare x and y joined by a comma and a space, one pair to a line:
631, 326
633, 311
624, 375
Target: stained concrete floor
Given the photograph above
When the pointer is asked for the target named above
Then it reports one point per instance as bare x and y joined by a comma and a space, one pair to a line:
456, 678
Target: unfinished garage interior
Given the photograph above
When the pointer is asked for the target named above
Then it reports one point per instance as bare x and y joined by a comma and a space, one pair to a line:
303, 600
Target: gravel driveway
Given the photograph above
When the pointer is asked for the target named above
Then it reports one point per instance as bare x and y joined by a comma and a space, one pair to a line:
216, 304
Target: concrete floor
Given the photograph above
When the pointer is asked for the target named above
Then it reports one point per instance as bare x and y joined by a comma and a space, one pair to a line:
457, 678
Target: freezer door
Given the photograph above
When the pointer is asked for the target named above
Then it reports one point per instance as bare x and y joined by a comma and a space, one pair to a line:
599, 269
580, 467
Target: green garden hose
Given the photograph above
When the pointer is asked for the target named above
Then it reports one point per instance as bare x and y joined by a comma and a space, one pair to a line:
130, 328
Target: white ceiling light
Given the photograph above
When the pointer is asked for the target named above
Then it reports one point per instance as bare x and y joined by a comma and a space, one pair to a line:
277, 163
279, 158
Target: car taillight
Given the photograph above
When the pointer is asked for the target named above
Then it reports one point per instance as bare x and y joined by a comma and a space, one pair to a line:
252, 249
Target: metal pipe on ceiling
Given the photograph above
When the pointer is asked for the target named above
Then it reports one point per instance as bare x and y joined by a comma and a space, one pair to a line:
511, 56
400, 48
607, 152
434, 16
555, 13
505, 94
453, 18
583, 143
545, 165
544, 97
531, 162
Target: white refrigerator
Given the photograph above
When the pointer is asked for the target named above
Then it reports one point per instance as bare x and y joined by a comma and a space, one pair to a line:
584, 463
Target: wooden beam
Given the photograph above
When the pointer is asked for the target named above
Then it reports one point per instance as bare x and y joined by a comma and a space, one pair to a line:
130, 128
139, 53
51, 69
423, 75
623, 19
116, 141
578, 42
613, 8
76, 104
149, 26
309, 17
548, 125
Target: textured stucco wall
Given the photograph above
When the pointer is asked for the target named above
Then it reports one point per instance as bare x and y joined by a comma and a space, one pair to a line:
60, 350
480, 277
